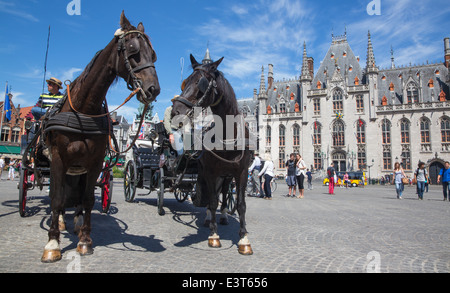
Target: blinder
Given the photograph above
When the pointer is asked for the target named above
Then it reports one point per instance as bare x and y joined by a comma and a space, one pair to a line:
203, 84
130, 48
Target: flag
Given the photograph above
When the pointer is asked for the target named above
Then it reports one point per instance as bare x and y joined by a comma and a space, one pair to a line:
7, 105
361, 123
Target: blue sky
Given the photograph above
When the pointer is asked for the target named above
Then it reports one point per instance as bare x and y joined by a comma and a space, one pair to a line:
249, 34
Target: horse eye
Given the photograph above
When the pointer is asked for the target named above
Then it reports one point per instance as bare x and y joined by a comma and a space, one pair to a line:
183, 85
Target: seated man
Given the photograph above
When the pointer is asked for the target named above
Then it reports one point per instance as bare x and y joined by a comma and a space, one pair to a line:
175, 137
46, 101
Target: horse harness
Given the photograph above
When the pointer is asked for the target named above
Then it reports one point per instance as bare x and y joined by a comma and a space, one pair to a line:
79, 123
130, 51
205, 87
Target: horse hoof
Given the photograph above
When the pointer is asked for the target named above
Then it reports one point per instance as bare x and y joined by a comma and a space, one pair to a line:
50, 256
214, 242
245, 249
84, 249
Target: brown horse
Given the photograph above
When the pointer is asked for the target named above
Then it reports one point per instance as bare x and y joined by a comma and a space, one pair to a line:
77, 157
207, 87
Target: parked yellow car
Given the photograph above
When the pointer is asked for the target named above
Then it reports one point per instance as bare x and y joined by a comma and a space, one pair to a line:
355, 179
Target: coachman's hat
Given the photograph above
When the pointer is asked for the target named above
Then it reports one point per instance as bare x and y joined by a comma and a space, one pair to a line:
55, 81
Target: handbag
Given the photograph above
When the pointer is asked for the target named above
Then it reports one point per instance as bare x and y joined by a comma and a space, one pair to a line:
405, 180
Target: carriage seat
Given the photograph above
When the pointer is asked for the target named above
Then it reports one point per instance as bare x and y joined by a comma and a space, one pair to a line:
148, 158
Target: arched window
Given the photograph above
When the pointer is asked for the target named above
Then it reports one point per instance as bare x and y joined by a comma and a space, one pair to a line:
404, 131
360, 132
282, 136
338, 105
359, 104
296, 135
424, 130
338, 134
412, 93
445, 130
317, 135
386, 131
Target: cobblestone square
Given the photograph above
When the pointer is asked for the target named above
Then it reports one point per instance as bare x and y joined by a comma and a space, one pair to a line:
357, 230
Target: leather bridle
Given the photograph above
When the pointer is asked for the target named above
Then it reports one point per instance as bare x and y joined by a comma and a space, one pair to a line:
133, 82
211, 88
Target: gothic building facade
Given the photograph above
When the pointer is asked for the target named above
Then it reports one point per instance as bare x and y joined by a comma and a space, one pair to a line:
358, 117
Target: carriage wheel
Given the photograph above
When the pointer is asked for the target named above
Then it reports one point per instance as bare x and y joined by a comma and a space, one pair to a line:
23, 188
180, 195
107, 189
160, 197
130, 181
231, 200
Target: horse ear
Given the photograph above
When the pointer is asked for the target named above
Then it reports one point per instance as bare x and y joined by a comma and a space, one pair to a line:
194, 62
217, 63
140, 27
124, 23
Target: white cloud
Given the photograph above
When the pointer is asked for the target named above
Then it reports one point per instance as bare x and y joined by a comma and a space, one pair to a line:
10, 8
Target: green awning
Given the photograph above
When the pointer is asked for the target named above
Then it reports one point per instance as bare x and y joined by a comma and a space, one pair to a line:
9, 150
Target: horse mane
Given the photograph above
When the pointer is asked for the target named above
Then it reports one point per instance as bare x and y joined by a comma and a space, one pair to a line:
228, 93
86, 70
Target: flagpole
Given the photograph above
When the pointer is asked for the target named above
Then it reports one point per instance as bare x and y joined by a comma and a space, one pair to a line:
3, 109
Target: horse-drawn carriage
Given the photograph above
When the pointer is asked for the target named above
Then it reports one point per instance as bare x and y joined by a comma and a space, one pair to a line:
34, 171
153, 164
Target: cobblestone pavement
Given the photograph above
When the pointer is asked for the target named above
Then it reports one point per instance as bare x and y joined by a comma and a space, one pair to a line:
356, 230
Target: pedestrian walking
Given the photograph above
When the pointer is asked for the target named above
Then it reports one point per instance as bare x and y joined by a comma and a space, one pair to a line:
399, 174
300, 168
309, 176
444, 174
12, 166
268, 172
421, 176
346, 180
331, 176
2, 165
254, 170
290, 178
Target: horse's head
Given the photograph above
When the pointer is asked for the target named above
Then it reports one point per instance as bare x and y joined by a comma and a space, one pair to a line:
136, 58
199, 89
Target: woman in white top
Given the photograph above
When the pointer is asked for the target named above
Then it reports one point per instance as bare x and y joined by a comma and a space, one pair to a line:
267, 171
300, 174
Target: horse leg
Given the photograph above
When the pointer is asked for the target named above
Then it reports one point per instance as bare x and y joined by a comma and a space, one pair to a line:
213, 191
61, 221
52, 251
78, 219
224, 206
84, 246
244, 246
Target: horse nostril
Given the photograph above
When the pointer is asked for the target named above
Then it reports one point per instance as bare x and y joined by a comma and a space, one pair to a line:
154, 91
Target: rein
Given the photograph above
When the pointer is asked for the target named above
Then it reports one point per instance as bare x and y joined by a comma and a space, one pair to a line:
136, 86
109, 117
212, 85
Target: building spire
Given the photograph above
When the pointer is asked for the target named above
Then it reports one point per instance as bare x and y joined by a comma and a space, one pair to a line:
392, 58
370, 60
262, 86
305, 67
207, 58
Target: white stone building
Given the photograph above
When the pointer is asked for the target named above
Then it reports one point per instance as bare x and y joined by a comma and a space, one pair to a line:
359, 117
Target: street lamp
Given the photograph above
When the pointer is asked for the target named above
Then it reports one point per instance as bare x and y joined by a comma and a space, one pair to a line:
369, 166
